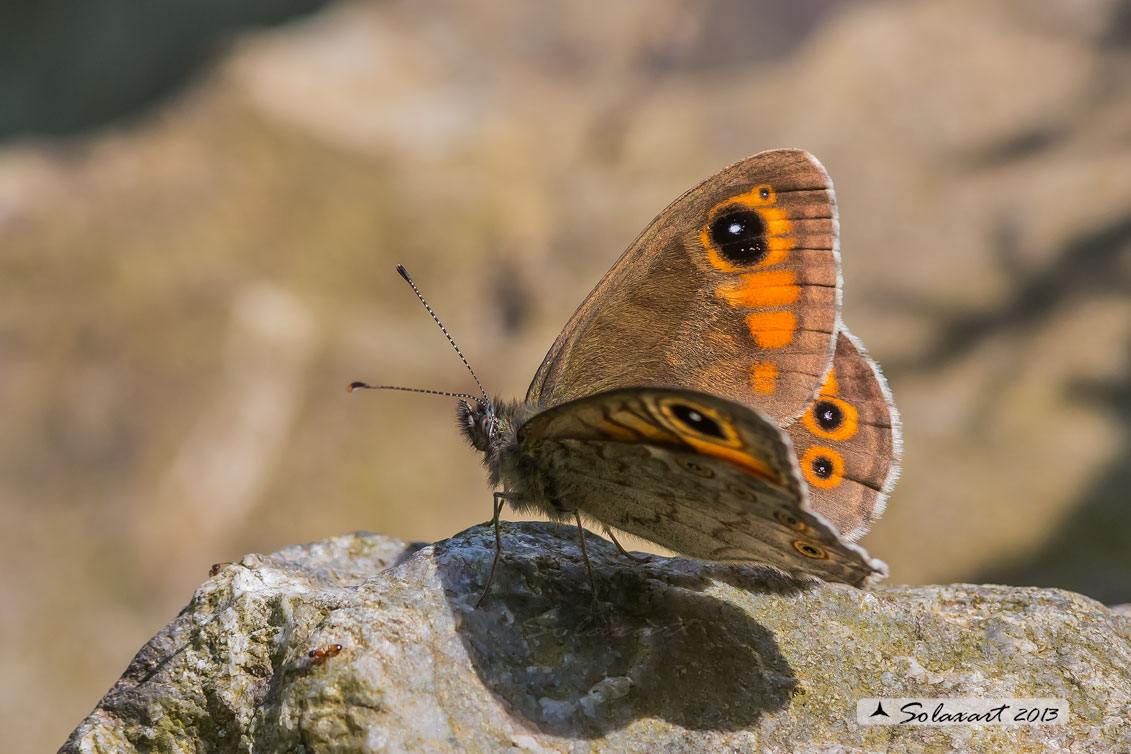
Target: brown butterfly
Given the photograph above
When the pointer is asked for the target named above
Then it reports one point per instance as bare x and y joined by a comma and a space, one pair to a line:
667, 405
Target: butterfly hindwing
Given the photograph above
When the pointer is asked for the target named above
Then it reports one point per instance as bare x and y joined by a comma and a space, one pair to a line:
693, 472
848, 442
732, 290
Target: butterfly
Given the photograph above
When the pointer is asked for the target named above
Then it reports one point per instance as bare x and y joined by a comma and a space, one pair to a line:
706, 396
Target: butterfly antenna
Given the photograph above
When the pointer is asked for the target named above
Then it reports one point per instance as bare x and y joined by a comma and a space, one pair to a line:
486, 402
366, 386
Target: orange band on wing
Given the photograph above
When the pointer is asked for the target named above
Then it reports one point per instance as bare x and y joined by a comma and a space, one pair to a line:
754, 198
617, 432
736, 457
759, 290
778, 228
764, 377
777, 222
642, 428
773, 329
830, 387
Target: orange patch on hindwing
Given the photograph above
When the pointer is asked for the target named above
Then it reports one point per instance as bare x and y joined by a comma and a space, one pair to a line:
832, 418
823, 467
830, 387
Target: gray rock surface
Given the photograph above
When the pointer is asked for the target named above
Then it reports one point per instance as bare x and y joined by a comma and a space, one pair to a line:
680, 656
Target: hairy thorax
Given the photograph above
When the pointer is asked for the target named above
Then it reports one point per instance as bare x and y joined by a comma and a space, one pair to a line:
526, 481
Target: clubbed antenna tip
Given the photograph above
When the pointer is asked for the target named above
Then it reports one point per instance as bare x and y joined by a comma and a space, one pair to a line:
404, 274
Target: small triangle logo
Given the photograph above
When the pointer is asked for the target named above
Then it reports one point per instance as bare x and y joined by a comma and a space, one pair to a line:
879, 711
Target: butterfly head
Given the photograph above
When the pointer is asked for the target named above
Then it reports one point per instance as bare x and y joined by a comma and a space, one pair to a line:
478, 422
477, 417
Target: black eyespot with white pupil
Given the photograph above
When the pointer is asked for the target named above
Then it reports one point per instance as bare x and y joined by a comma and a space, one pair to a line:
810, 550
823, 467
740, 236
828, 415
694, 419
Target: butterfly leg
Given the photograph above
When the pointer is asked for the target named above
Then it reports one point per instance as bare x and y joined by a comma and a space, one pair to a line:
500, 498
585, 554
624, 552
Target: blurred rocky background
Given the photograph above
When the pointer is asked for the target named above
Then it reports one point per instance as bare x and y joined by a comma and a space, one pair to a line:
201, 206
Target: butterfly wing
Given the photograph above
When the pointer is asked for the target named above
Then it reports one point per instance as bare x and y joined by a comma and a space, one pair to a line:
848, 442
734, 290
700, 475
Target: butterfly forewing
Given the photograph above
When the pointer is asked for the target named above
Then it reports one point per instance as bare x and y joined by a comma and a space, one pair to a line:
732, 290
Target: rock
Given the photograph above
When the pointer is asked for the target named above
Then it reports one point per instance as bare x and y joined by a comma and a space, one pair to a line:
364, 643
507, 152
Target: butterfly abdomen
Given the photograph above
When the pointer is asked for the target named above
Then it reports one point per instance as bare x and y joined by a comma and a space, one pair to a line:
530, 485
